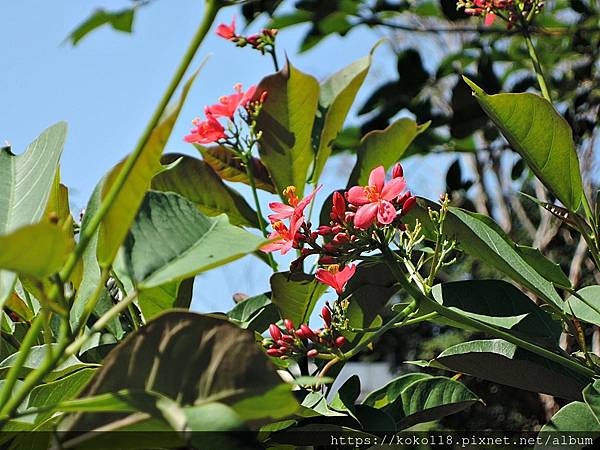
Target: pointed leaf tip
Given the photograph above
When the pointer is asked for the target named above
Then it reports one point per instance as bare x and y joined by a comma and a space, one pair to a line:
477, 91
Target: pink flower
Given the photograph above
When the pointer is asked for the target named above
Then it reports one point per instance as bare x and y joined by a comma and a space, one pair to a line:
227, 31
228, 104
335, 277
338, 209
207, 131
285, 236
489, 19
295, 206
374, 200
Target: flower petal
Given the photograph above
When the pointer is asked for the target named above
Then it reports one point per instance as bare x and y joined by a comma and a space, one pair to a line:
377, 178
365, 216
282, 211
392, 189
357, 196
386, 213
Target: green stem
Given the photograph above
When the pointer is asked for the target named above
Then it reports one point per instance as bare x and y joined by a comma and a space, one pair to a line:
275, 62
423, 318
536, 65
25, 348
247, 160
480, 326
210, 13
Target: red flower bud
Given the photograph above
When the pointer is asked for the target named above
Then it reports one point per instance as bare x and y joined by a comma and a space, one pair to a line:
341, 238
336, 229
324, 230
300, 334
314, 235
312, 353
397, 171
340, 341
408, 205
253, 39
275, 332
287, 339
402, 198
273, 352
289, 325
283, 349
339, 207
349, 217
307, 332
326, 314
330, 247
327, 260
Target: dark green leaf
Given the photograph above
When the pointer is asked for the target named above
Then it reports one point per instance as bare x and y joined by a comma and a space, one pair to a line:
588, 311
389, 393
574, 417
119, 20
255, 313
176, 294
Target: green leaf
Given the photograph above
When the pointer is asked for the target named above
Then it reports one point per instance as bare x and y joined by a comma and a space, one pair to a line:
432, 398
119, 20
229, 167
499, 303
589, 314
383, 148
156, 300
591, 396
195, 180
335, 100
123, 209
295, 294
541, 136
482, 238
36, 356
25, 184
286, 122
254, 313
505, 363
153, 257
574, 417
275, 404
191, 359
389, 393
346, 395
57, 392
36, 250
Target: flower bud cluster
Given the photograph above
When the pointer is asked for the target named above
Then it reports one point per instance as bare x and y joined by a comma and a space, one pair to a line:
263, 41
509, 10
304, 341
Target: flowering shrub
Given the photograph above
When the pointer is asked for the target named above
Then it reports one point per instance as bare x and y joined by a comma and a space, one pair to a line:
98, 336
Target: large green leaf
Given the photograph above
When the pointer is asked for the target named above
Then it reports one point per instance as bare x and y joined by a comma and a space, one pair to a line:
36, 356
388, 394
120, 216
295, 294
286, 123
499, 303
335, 100
195, 180
588, 311
229, 166
37, 250
171, 240
482, 238
383, 148
191, 359
591, 396
505, 363
156, 300
572, 418
541, 136
25, 184
432, 398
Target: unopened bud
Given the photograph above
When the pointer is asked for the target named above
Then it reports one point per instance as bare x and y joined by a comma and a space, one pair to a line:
273, 352
314, 235
327, 260
341, 238
326, 314
289, 325
275, 332
408, 205
324, 230
340, 341
312, 353
336, 229
349, 217
287, 339
397, 171
306, 331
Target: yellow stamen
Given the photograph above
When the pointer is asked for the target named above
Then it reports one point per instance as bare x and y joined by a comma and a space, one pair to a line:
372, 193
333, 268
290, 193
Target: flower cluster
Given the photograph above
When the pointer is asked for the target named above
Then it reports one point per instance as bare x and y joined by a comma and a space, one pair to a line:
304, 341
263, 41
212, 130
354, 218
505, 9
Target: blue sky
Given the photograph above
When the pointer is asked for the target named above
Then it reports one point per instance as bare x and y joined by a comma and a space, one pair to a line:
107, 87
